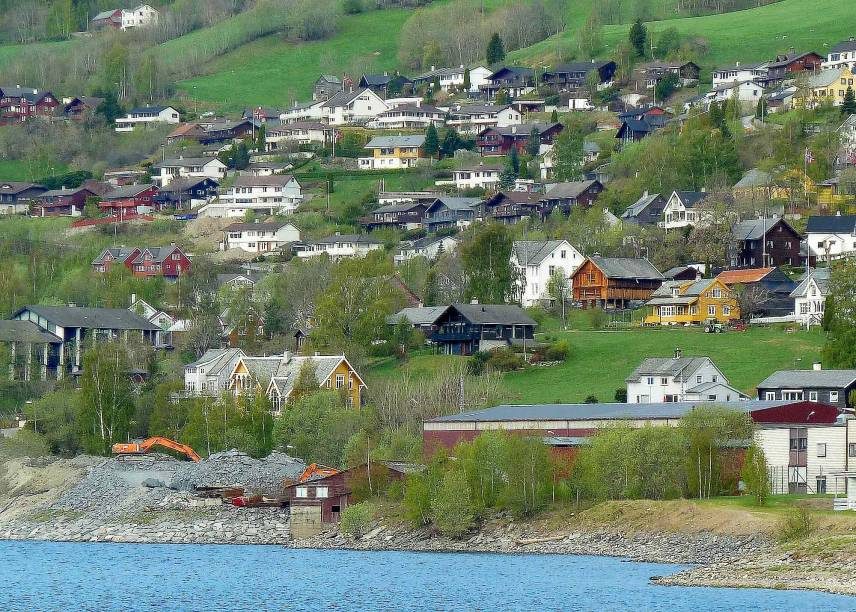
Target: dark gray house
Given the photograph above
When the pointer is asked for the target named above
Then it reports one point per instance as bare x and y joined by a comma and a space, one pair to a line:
825, 386
647, 210
464, 329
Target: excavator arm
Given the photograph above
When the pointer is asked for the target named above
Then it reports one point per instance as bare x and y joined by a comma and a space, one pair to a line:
145, 446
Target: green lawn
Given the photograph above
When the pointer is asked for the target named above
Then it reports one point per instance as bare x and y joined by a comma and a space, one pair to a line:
27, 170
353, 188
599, 361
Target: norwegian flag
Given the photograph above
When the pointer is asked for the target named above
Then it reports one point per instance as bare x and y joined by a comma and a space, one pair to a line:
809, 157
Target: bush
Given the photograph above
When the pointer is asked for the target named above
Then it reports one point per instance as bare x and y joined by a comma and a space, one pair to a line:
558, 351
451, 509
754, 474
621, 395
24, 443
356, 520
504, 360
417, 500
598, 318
797, 524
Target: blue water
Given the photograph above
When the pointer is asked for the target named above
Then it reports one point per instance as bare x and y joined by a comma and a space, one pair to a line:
69, 576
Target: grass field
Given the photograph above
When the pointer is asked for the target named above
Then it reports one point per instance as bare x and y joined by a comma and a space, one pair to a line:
18, 170
599, 361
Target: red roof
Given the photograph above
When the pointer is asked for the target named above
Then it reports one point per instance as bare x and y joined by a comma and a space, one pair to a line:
751, 275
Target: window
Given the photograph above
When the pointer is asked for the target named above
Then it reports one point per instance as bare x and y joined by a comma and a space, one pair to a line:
562, 254
321, 492
821, 449
812, 396
851, 449
726, 311
664, 381
792, 395
650, 380
698, 379
302, 492
714, 378
340, 381
717, 293
770, 395
821, 485
711, 310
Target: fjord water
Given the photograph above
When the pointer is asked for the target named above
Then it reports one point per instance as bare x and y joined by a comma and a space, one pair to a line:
72, 576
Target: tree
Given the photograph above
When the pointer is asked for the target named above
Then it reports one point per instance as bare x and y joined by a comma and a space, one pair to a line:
106, 398
90, 208
452, 141
558, 288
486, 256
761, 109
668, 42
467, 82
840, 348
590, 36
432, 141
848, 106
260, 139
638, 37
568, 156
501, 97
533, 144
755, 475
666, 86
317, 428
451, 509
352, 7
109, 109
751, 299
514, 159
554, 116
495, 49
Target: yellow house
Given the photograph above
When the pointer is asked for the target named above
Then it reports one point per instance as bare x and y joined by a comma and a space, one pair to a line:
829, 195
276, 376
393, 152
827, 86
688, 302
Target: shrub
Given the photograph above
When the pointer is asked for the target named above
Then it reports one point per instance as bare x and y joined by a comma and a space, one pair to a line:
598, 318
797, 524
356, 520
24, 443
417, 500
621, 395
558, 351
754, 474
504, 360
451, 509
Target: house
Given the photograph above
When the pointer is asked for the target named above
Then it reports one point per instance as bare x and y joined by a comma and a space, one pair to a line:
449, 211
277, 194
19, 104
739, 73
121, 255
565, 196
211, 374
185, 193
513, 80
683, 273
111, 18
262, 114
15, 197
384, 85
404, 197
536, 262
452, 79
260, 238
422, 318
833, 387
591, 151
166, 171
789, 65
831, 237
757, 185
393, 152
60, 202
826, 87
682, 209
147, 115
842, 55
764, 243
483, 175
406, 215
635, 129
513, 206
810, 297
320, 501
278, 138
314, 111
465, 329
123, 176
692, 302
327, 86
647, 210
500, 140
77, 329
471, 119
679, 379
648, 75
747, 92
614, 282
164, 320
408, 117
350, 107
128, 199
830, 195
772, 288
266, 168
342, 245
169, 262
79, 108
430, 247
139, 17
575, 75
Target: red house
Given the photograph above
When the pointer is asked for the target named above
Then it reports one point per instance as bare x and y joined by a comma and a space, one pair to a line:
499, 140
788, 64
120, 255
128, 199
18, 104
107, 19
61, 202
170, 261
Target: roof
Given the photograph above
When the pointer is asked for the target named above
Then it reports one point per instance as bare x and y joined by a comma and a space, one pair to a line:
90, 318
126, 191
753, 229
422, 243
148, 109
253, 277
383, 142
105, 15
640, 205
598, 412
118, 253
14, 187
519, 71
457, 203
820, 277
754, 178
524, 129
693, 288
790, 379
477, 109
847, 45
375, 79
533, 252
824, 78
691, 198
425, 315
27, 93
269, 226
673, 272
626, 267
215, 360
579, 67
750, 275
330, 78
787, 58
158, 253
494, 314
740, 66
398, 207
336, 238
571, 189
668, 366
831, 224
342, 98
183, 162
185, 183
25, 331
274, 180
288, 369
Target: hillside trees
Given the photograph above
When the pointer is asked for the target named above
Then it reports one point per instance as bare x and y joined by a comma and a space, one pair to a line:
106, 401
840, 348
495, 49
638, 37
486, 257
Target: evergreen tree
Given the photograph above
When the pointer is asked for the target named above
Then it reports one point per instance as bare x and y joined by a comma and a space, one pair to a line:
533, 145
501, 97
848, 107
554, 116
638, 37
495, 49
761, 109
260, 138
486, 257
109, 108
514, 160
241, 158
467, 83
432, 288
451, 143
432, 141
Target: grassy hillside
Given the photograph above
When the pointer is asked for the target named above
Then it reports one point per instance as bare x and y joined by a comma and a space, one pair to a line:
599, 361
749, 35
19, 170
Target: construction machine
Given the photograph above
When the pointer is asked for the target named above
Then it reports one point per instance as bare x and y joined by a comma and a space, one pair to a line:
315, 471
141, 447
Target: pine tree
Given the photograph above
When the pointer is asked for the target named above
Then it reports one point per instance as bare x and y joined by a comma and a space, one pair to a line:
467, 82
761, 109
514, 160
554, 116
495, 49
638, 37
501, 97
533, 145
848, 107
432, 141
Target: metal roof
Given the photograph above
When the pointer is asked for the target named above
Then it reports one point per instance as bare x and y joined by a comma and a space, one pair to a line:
789, 379
572, 189
669, 366
831, 224
90, 318
626, 267
494, 314
383, 142
425, 315
25, 331
533, 252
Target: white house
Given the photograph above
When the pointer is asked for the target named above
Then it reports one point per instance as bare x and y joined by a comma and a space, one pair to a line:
536, 261
341, 245
748, 92
393, 152
166, 171
453, 78
408, 116
842, 55
301, 112
297, 133
739, 73
211, 374
353, 107
682, 209
162, 319
429, 247
140, 16
473, 118
847, 141
478, 176
679, 379
260, 238
831, 237
810, 297
269, 195
147, 115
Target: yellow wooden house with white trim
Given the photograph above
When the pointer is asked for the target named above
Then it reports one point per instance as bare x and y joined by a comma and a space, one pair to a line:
691, 302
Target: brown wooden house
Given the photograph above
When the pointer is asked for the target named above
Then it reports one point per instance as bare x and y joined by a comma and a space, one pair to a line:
760, 243
788, 64
614, 282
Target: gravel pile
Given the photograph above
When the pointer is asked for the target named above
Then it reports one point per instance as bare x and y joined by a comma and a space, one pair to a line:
236, 468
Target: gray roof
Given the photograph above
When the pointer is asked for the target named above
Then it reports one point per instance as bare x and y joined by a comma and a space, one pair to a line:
754, 178
533, 252
341, 98
397, 207
824, 78
104, 15
668, 366
25, 331
691, 198
695, 289
426, 315
795, 379
571, 189
456, 203
287, 370
91, 318
753, 229
422, 243
626, 267
640, 205
383, 142
254, 277
274, 180
821, 279
477, 109
14, 187
185, 183
596, 412
673, 272
215, 359
184, 162
359, 238
126, 191
847, 45
707, 386
118, 253
831, 224
494, 314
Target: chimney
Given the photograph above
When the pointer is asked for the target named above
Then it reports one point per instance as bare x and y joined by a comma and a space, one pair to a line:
737, 64
286, 356
816, 366
678, 353
133, 298
513, 129
337, 234
645, 194
474, 301
433, 68
317, 354
704, 189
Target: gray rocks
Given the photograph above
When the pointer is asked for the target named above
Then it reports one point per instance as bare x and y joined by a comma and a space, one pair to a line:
229, 468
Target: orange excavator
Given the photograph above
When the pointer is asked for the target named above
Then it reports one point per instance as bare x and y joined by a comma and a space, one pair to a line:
315, 470
141, 448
